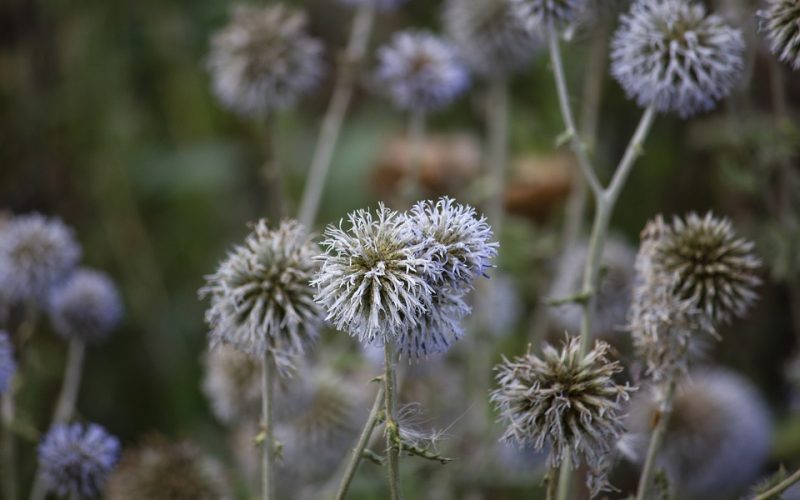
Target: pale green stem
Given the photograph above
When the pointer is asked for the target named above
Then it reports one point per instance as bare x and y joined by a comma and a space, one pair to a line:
363, 440
9, 452
497, 124
72, 381
390, 400
268, 444
335, 114
779, 488
552, 484
564, 479
656, 438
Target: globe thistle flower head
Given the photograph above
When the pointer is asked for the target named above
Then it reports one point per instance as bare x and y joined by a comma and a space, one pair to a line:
76, 460
438, 328
36, 253
420, 71
85, 306
373, 281
232, 384
671, 55
8, 366
718, 435
383, 5
261, 300
540, 13
780, 22
264, 60
563, 400
490, 37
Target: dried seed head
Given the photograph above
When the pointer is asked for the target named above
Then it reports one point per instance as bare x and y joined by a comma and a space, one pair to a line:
8, 365
780, 22
86, 306
232, 384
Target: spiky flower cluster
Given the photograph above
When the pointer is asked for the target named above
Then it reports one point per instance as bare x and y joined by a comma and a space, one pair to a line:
86, 306
490, 37
76, 460
384, 5
780, 21
264, 60
261, 301
671, 55
36, 253
8, 366
421, 71
540, 13
717, 439
232, 384
164, 470
564, 400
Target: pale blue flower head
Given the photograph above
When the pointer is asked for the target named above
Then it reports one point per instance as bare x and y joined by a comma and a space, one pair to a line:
85, 306
421, 71
540, 13
8, 366
384, 5
672, 55
76, 460
780, 22
438, 328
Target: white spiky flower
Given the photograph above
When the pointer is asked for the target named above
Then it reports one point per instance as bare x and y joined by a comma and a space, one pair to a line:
261, 300
539, 13
672, 55
780, 21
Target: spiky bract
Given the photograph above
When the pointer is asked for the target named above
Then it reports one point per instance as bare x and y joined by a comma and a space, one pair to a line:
86, 306
780, 22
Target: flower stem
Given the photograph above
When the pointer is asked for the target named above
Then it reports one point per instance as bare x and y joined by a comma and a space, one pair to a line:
416, 143
664, 411
268, 445
497, 124
363, 440
72, 381
564, 479
273, 188
9, 451
390, 400
335, 114
779, 488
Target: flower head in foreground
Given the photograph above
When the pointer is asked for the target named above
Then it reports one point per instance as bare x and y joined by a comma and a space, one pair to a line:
539, 13
718, 436
384, 5
671, 55
564, 400
491, 38
261, 300
76, 460
86, 306
8, 366
780, 21
420, 71
232, 384
35, 253
264, 60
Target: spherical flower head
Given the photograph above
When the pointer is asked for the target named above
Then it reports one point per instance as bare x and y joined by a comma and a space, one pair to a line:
565, 400
261, 300
86, 306
438, 328
264, 60
420, 71
374, 279
491, 38
383, 5
671, 55
718, 435
76, 460
8, 366
780, 21
36, 253
540, 13
232, 384
165, 470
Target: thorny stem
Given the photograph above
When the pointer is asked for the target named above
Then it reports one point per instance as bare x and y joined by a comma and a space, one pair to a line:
361, 444
664, 412
335, 114
390, 400
268, 445
779, 488
72, 382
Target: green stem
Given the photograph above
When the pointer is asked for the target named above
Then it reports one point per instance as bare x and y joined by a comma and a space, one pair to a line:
268, 445
390, 400
657, 437
779, 488
9, 451
564, 479
72, 381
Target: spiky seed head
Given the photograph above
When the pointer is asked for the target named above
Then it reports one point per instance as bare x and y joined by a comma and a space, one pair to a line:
718, 435
564, 400
383, 5
780, 22
374, 278
671, 55
76, 460
36, 253
161, 469
232, 384
85, 306
421, 71
537, 14
491, 38
8, 365
264, 60
261, 300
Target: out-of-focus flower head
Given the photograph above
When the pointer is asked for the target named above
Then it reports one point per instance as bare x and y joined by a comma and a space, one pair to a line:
261, 300
264, 60
85, 306
8, 366
76, 460
539, 13
436, 329
780, 22
566, 401
36, 253
420, 71
384, 5
672, 55
232, 384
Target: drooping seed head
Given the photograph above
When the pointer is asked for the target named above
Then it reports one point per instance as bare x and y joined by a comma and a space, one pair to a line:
85, 306
8, 365
780, 22
539, 13
232, 384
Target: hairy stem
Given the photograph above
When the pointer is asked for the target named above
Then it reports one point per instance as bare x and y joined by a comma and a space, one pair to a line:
361, 444
664, 411
335, 114
268, 445
390, 400
72, 381
779, 488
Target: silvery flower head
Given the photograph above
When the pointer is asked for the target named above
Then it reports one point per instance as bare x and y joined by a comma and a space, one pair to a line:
563, 400
36, 253
420, 71
540, 13
261, 300
438, 328
264, 60
232, 384
76, 460
672, 55
780, 21
8, 365
491, 38
384, 5
718, 436
85, 306
374, 281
